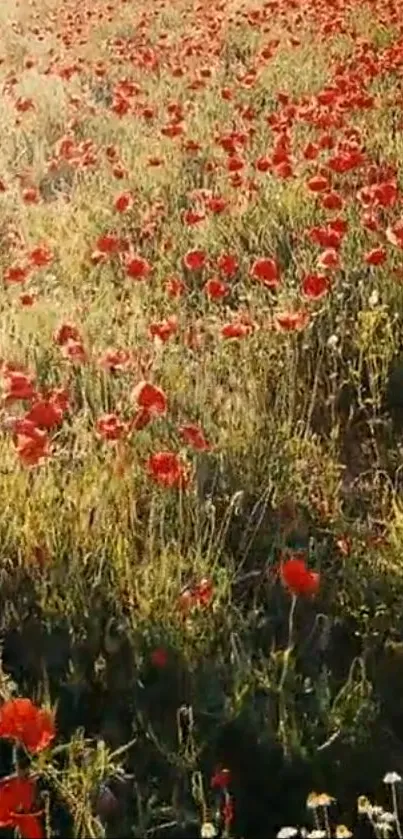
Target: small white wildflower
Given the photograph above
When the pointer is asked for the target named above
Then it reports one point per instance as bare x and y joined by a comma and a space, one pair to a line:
373, 299
317, 833
208, 831
312, 801
324, 800
377, 811
342, 832
392, 778
364, 805
333, 341
287, 833
387, 817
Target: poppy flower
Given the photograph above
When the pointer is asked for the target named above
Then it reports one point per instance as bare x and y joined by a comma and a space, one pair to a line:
40, 256
25, 722
151, 398
16, 274
193, 435
167, 469
159, 658
45, 413
298, 579
17, 798
376, 256
236, 329
291, 321
215, 288
318, 183
74, 351
227, 264
123, 202
66, 332
174, 287
221, 779
108, 243
329, 259
30, 195
110, 427
315, 286
163, 329
194, 260
266, 271
394, 234
17, 386
137, 268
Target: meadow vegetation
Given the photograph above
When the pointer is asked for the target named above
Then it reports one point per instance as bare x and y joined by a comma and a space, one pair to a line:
201, 417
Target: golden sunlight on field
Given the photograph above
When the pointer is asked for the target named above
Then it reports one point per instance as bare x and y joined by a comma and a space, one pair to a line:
201, 416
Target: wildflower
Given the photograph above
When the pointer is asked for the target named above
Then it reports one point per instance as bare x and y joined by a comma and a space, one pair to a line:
342, 832
21, 720
221, 779
150, 397
266, 271
159, 658
301, 581
287, 833
137, 268
17, 797
364, 806
45, 414
193, 435
110, 427
392, 778
167, 469
208, 831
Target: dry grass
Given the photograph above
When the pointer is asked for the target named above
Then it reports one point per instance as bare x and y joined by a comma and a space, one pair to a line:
302, 422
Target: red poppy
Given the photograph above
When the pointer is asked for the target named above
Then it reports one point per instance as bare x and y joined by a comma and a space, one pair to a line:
298, 579
167, 469
30, 195
45, 414
17, 798
159, 658
215, 288
21, 720
315, 286
137, 268
74, 351
123, 202
318, 183
174, 287
193, 435
332, 201
18, 386
32, 446
40, 256
266, 271
394, 234
194, 260
192, 217
108, 243
236, 329
227, 264
291, 321
66, 332
376, 256
16, 274
151, 398
163, 329
221, 779
329, 259
110, 427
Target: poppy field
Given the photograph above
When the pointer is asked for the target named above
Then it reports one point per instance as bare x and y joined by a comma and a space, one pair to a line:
201, 418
